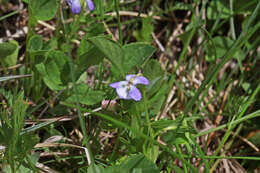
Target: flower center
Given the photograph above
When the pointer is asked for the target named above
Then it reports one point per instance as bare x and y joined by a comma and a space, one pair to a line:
133, 78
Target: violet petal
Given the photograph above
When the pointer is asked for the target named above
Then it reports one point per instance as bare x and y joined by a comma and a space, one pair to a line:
129, 76
123, 92
137, 79
135, 93
118, 84
114, 85
141, 80
90, 5
75, 6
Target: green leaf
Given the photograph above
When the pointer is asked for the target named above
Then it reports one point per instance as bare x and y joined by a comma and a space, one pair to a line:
9, 52
43, 9
51, 44
177, 169
111, 50
245, 6
181, 6
137, 170
218, 46
165, 125
7, 49
247, 87
93, 31
152, 152
35, 43
36, 127
92, 56
139, 162
136, 54
153, 70
145, 34
99, 8
114, 169
218, 9
93, 168
154, 73
158, 97
26, 143
55, 70
255, 138
85, 95
158, 103
197, 22
134, 164
22, 165
11, 59
222, 44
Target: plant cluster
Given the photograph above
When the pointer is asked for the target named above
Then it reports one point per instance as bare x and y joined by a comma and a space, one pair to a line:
129, 86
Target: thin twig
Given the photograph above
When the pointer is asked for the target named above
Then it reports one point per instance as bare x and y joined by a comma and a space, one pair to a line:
61, 118
12, 67
132, 13
53, 29
158, 42
109, 32
253, 146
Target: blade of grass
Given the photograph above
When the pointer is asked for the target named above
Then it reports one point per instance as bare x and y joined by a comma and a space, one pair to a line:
211, 77
226, 157
36, 127
238, 121
232, 25
227, 147
201, 154
239, 116
9, 14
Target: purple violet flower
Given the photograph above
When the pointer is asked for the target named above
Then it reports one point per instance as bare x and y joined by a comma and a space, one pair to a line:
76, 6
127, 89
90, 5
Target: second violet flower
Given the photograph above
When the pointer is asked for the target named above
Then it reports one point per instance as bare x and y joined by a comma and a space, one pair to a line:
76, 6
127, 89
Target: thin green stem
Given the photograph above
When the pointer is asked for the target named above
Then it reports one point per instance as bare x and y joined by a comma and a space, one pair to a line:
58, 27
232, 25
227, 147
150, 131
75, 90
178, 149
9, 14
250, 116
28, 64
239, 116
224, 157
201, 154
116, 3
81, 118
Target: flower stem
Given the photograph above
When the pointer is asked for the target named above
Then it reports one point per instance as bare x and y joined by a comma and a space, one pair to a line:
75, 90
116, 2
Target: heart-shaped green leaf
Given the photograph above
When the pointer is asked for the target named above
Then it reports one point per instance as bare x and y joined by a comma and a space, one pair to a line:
43, 9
